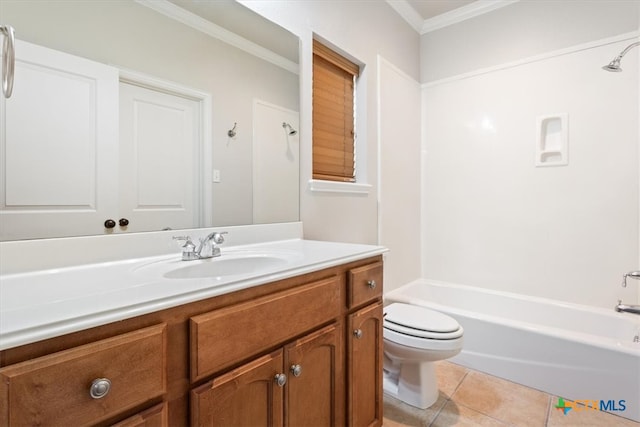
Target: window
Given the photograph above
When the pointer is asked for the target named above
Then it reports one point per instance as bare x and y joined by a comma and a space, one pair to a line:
333, 115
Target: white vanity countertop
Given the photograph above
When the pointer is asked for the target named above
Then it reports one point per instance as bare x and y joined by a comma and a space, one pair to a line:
51, 302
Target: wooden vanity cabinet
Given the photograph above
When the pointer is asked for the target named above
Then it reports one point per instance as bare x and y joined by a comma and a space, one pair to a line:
298, 385
222, 338
302, 351
87, 384
365, 350
365, 357
246, 396
156, 416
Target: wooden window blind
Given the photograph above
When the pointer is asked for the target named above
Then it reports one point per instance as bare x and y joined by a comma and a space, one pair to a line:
333, 115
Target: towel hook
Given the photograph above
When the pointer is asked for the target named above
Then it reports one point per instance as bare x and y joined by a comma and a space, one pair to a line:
232, 132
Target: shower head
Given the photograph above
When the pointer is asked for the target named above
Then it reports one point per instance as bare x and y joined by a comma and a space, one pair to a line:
291, 130
615, 64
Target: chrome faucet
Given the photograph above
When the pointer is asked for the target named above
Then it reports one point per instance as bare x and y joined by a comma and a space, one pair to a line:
635, 309
625, 308
207, 249
632, 274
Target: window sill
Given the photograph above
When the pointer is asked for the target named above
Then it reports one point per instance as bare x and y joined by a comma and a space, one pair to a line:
320, 186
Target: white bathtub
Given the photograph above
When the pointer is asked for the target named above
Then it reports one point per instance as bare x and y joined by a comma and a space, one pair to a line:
568, 350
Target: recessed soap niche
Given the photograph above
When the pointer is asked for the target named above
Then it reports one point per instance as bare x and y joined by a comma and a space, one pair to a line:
552, 141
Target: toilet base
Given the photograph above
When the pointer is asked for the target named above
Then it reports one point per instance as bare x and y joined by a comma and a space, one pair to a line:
412, 383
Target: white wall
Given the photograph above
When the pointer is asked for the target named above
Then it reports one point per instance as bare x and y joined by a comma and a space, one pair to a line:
388, 121
494, 220
363, 30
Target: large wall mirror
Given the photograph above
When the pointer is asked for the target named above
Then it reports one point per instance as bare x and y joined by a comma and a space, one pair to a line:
144, 115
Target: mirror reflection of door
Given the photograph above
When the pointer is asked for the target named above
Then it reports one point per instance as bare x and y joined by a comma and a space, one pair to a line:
78, 150
159, 159
58, 145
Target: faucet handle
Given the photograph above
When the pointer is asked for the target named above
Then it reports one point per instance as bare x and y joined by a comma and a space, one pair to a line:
218, 238
186, 239
632, 274
188, 249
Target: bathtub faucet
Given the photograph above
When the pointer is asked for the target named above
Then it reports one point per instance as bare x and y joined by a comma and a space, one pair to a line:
632, 274
635, 309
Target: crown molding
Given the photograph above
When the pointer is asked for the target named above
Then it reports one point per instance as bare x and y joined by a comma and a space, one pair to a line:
207, 27
626, 37
408, 13
423, 26
469, 11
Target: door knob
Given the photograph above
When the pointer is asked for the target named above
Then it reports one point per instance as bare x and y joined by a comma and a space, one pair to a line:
357, 333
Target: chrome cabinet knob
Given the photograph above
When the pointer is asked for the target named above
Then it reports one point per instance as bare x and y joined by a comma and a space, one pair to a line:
371, 284
296, 370
280, 379
99, 388
357, 333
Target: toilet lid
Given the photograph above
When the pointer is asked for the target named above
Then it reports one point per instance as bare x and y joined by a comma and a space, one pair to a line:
420, 322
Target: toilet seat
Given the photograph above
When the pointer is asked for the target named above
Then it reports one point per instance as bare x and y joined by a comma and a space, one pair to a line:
418, 333
410, 323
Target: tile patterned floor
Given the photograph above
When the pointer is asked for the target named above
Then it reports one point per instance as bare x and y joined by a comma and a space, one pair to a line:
471, 398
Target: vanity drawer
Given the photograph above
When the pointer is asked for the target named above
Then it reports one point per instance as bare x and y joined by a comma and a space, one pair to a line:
223, 337
55, 389
156, 416
365, 284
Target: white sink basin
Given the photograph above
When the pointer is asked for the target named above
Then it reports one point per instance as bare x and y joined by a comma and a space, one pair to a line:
219, 267
231, 263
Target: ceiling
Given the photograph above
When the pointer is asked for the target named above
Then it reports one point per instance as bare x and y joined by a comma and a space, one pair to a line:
429, 15
427, 9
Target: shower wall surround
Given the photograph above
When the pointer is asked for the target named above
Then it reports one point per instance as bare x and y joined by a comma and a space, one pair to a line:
494, 220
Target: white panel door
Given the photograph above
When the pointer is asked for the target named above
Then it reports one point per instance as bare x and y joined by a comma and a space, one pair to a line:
159, 159
276, 160
58, 145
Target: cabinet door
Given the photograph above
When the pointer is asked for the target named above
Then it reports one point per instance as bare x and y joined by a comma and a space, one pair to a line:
314, 394
246, 396
364, 364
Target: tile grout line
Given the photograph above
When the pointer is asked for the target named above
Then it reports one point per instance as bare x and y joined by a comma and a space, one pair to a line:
549, 403
449, 399
435, 417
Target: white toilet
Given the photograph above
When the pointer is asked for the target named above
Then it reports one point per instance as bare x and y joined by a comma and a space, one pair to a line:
414, 338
